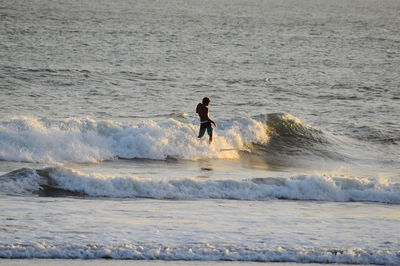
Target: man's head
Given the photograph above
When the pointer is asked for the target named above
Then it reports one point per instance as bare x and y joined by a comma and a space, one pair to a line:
206, 100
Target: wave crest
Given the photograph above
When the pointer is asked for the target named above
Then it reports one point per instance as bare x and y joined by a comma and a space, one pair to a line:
287, 125
86, 140
62, 181
202, 252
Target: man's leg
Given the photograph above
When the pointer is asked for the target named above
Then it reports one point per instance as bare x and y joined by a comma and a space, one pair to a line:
210, 133
201, 132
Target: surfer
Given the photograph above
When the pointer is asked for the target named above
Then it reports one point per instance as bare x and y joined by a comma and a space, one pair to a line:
205, 121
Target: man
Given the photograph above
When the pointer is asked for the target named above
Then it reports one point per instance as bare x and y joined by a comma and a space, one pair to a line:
205, 121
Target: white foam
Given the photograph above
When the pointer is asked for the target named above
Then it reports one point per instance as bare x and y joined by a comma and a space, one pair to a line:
85, 140
301, 187
205, 252
21, 181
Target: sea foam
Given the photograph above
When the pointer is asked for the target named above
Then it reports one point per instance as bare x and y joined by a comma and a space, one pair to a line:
85, 140
203, 252
299, 187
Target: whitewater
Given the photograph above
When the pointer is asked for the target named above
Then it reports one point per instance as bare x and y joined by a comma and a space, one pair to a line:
34, 140
99, 155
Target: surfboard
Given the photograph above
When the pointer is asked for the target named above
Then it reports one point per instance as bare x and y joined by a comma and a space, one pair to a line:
234, 149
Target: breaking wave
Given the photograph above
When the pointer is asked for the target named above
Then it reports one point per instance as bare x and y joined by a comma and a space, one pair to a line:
203, 252
85, 140
32, 139
66, 182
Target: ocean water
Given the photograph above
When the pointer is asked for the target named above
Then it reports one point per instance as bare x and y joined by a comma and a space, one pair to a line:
99, 156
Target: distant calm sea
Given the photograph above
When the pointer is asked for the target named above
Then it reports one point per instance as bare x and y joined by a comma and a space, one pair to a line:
99, 156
